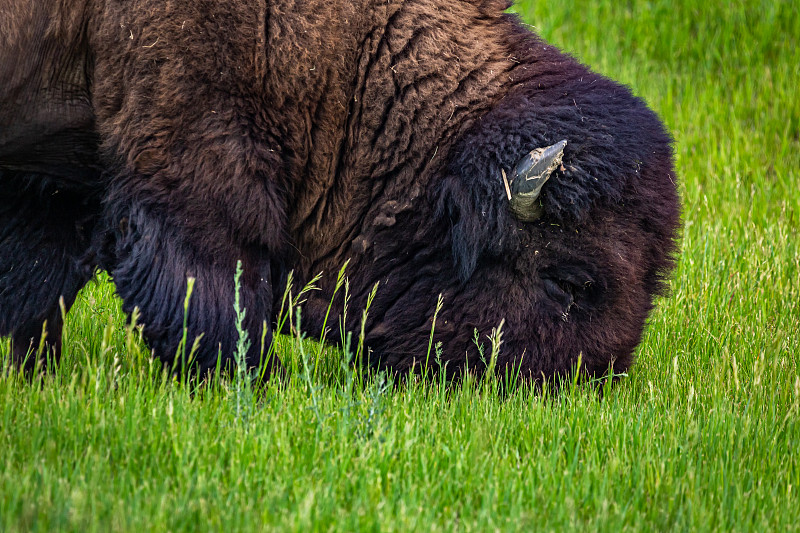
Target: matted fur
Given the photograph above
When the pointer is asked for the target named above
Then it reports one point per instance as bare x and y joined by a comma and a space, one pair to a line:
162, 140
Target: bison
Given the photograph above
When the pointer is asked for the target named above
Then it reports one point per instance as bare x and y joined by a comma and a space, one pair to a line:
436, 146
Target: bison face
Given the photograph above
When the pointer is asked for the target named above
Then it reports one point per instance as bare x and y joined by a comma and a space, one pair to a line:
554, 216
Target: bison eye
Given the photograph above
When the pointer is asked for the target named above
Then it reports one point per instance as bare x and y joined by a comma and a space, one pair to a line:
529, 175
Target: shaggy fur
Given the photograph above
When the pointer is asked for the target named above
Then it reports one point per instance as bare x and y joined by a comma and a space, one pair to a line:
161, 140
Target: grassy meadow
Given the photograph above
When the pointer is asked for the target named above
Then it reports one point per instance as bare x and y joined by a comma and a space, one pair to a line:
703, 434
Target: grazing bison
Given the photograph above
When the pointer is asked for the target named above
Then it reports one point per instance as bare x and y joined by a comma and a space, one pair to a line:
438, 145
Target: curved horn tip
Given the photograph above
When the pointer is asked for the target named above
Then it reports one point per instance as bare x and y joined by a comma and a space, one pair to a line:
536, 167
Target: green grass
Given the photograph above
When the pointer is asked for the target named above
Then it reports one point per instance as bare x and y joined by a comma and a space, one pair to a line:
703, 434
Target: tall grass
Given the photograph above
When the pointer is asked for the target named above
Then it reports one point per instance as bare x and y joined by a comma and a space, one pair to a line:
703, 434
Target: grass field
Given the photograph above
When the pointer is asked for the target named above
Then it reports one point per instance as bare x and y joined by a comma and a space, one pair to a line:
703, 434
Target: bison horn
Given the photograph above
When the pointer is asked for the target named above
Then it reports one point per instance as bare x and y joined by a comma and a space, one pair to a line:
530, 174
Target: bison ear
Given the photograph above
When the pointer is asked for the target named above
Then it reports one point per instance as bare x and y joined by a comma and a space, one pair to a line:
529, 176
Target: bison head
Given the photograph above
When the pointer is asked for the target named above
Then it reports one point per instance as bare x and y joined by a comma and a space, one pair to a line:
514, 182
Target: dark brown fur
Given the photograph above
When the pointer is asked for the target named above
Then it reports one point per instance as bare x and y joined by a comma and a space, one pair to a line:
161, 140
